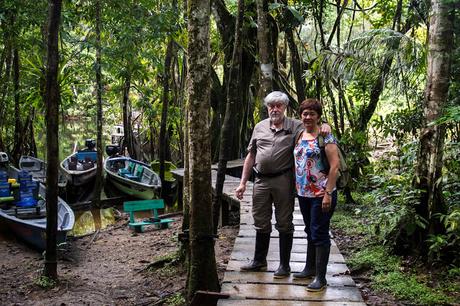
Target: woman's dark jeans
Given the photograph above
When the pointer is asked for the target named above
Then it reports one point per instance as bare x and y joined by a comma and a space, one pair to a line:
316, 222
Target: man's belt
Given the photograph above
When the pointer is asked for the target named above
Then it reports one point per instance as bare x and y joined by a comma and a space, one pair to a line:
260, 174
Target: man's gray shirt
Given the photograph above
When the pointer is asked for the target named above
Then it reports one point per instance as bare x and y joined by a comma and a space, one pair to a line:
274, 149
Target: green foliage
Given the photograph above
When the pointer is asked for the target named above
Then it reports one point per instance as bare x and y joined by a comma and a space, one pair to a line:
446, 243
451, 115
177, 299
386, 270
287, 16
392, 203
375, 258
347, 222
356, 147
408, 288
400, 123
45, 282
358, 65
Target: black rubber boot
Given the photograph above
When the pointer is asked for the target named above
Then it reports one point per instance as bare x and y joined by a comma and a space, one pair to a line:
310, 264
260, 255
322, 257
285, 256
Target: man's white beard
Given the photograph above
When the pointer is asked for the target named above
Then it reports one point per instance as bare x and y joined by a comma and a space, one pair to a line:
276, 118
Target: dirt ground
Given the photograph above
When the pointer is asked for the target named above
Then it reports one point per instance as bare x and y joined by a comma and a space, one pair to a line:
106, 268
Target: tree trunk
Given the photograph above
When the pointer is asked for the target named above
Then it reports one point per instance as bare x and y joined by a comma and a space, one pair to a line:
202, 267
429, 165
265, 53
128, 138
4, 87
164, 113
228, 127
99, 88
296, 65
52, 97
18, 133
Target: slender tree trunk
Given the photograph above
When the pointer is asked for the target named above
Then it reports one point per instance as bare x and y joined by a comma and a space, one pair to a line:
18, 132
296, 65
429, 165
99, 88
202, 267
52, 99
265, 53
4, 88
228, 126
164, 113
334, 110
128, 139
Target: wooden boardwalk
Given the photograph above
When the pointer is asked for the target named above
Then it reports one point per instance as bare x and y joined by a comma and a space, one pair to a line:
260, 288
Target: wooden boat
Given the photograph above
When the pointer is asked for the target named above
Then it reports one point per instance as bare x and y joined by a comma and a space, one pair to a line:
80, 167
37, 167
29, 223
133, 177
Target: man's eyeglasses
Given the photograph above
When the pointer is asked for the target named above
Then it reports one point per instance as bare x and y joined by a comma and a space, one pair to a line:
277, 105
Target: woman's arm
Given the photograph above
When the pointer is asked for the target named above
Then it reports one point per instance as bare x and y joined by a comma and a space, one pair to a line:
332, 154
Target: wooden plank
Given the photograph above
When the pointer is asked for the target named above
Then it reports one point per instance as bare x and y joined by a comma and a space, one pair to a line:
332, 268
241, 302
141, 205
291, 292
274, 240
299, 245
275, 255
334, 280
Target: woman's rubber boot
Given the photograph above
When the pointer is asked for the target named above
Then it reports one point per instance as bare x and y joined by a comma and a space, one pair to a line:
322, 257
310, 265
260, 255
285, 256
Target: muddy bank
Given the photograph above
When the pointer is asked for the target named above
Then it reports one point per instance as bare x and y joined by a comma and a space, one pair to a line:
105, 268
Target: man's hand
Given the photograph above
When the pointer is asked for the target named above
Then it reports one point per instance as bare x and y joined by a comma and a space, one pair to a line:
325, 129
240, 191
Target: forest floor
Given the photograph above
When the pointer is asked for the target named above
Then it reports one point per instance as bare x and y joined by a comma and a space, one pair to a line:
111, 267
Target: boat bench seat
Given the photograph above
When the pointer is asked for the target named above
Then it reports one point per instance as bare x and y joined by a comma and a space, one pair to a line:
137, 175
127, 171
145, 205
123, 171
87, 155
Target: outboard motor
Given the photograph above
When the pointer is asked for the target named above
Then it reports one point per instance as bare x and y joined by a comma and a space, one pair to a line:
112, 150
3, 160
90, 144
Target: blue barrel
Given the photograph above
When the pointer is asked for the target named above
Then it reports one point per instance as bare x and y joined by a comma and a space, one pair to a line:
24, 176
3, 176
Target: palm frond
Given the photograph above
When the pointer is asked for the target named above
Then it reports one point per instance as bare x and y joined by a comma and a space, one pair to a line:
365, 55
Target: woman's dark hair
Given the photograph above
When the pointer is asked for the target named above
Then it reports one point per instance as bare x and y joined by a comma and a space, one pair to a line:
311, 104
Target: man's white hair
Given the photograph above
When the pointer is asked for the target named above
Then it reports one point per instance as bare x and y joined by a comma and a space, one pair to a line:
276, 97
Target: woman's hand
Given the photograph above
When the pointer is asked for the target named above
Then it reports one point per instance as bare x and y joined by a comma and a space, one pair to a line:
326, 205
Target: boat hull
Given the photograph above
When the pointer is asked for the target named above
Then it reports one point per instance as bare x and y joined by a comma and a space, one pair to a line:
32, 235
132, 189
78, 178
37, 168
33, 230
139, 190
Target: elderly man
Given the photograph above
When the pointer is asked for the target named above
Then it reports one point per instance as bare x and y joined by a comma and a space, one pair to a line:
270, 155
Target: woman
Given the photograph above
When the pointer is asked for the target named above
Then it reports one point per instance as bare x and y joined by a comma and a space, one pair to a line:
316, 191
